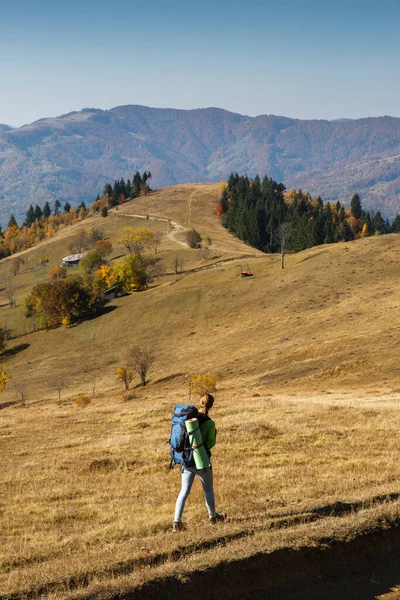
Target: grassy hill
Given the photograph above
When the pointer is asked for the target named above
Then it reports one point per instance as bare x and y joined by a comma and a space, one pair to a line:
307, 412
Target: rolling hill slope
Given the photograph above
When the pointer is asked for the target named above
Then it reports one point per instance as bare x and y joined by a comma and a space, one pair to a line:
72, 156
307, 412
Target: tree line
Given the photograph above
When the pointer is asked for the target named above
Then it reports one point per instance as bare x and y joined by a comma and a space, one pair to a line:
120, 191
255, 210
39, 223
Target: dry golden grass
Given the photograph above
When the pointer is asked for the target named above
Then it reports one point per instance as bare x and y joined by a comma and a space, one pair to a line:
307, 414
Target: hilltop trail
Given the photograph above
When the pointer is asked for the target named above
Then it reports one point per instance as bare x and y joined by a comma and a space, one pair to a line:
176, 228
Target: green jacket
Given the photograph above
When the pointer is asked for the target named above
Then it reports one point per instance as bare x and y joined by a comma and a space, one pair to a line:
208, 434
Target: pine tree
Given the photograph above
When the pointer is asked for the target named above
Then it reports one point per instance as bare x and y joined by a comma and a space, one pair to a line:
378, 223
46, 211
346, 232
107, 190
396, 224
67, 207
355, 206
57, 206
30, 216
38, 213
12, 222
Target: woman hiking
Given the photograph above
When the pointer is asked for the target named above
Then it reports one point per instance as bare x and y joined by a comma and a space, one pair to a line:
208, 434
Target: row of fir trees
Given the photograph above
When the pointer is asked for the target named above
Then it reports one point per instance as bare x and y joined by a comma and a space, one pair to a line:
122, 190
255, 209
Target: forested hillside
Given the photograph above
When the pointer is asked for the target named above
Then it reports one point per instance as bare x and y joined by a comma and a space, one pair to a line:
71, 157
263, 215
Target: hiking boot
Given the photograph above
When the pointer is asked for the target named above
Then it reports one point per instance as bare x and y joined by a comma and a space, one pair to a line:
218, 518
178, 526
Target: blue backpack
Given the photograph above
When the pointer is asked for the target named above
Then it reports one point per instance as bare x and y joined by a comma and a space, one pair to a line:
181, 451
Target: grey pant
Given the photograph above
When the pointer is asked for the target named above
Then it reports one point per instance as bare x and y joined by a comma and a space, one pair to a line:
188, 477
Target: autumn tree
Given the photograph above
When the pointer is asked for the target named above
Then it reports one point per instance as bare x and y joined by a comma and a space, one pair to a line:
57, 272
51, 302
79, 242
141, 360
16, 264
201, 383
125, 375
103, 248
108, 274
4, 377
91, 262
135, 240
132, 273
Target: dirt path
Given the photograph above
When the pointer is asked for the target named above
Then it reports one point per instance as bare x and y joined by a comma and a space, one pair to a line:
173, 229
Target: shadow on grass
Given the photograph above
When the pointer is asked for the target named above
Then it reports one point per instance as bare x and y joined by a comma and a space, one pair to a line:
15, 349
168, 378
7, 404
105, 310
339, 509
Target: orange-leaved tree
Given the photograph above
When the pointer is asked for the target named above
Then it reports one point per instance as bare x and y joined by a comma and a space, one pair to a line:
57, 272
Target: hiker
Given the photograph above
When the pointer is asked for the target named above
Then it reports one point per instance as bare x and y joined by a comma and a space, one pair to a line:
208, 433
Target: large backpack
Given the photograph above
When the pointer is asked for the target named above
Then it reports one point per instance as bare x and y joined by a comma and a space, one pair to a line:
181, 451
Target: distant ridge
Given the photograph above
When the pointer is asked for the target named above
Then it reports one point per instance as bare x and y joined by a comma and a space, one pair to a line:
72, 156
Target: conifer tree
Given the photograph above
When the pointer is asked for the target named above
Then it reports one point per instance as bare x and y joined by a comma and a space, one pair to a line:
46, 211
12, 222
38, 213
355, 206
396, 224
30, 216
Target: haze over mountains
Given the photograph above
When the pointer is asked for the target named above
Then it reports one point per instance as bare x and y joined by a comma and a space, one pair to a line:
72, 156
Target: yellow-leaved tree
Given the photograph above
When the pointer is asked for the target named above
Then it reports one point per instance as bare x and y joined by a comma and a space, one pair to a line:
125, 375
132, 273
4, 377
201, 383
108, 274
135, 240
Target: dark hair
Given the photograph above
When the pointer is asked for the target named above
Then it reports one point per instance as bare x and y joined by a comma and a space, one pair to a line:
205, 404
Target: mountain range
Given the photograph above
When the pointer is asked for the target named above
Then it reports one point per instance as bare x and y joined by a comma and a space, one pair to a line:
72, 156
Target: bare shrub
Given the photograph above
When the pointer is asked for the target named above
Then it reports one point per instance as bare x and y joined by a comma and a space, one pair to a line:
21, 391
141, 360
58, 383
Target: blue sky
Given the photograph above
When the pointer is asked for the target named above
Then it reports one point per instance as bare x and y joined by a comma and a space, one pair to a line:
303, 59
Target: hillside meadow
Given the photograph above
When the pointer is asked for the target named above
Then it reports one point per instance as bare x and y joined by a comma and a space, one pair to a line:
306, 409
